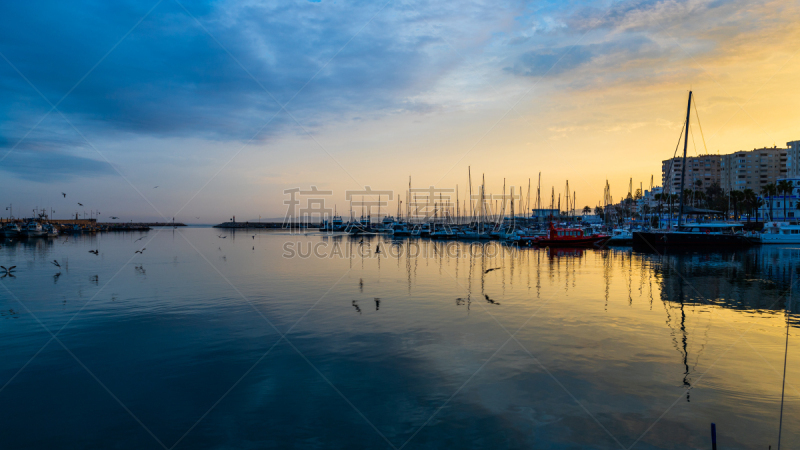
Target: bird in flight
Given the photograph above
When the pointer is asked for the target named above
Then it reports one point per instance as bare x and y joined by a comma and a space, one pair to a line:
96, 252
139, 239
489, 270
140, 251
490, 300
80, 204
55, 263
114, 217
9, 270
64, 194
155, 187
221, 236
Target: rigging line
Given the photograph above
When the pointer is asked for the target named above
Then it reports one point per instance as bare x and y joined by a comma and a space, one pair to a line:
699, 124
785, 354
672, 160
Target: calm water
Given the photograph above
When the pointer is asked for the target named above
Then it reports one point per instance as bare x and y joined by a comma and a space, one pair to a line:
246, 342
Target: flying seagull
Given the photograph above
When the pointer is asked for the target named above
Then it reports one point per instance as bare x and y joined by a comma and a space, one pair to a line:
140, 251
55, 263
490, 300
9, 270
155, 187
64, 194
489, 270
139, 239
96, 252
114, 217
221, 236
80, 204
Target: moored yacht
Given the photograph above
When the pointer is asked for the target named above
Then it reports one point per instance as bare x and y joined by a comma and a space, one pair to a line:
620, 236
780, 233
335, 224
696, 234
699, 234
401, 229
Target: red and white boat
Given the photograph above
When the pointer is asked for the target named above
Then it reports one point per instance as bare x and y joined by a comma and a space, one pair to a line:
569, 237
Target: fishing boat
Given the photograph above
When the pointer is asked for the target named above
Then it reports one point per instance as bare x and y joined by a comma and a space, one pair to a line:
50, 230
11, 230
33, 229
570, 237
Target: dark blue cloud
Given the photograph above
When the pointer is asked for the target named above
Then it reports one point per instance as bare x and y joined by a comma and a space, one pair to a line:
170, 78
46, 167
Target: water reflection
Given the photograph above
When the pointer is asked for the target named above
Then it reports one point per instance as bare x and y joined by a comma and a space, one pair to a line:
428, 363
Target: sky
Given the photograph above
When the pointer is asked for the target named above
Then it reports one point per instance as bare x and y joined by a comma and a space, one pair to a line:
225, 105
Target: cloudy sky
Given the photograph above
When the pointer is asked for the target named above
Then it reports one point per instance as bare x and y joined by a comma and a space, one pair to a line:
223, 105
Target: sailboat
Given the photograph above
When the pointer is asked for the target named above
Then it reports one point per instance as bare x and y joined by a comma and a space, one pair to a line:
707, 234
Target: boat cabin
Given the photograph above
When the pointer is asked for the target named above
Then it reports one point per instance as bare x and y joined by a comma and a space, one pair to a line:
712, 228
565, 233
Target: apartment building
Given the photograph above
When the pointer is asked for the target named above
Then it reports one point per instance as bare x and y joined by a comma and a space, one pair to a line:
753, 169
704, 168
793, 159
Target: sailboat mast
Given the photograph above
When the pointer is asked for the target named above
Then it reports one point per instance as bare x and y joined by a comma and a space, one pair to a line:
471, 211
683, 164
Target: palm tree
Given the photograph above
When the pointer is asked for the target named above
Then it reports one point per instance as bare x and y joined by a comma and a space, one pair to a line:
587, 210
750, 198
736, 197
598, 210
784, 187
699, 196
769, 191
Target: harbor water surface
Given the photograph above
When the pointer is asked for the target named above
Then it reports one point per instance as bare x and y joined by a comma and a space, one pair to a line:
264, 339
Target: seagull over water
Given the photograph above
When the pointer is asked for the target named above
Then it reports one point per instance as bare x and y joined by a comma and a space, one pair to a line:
55, 263
80, 204
64, 194
96, 252
140, 251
